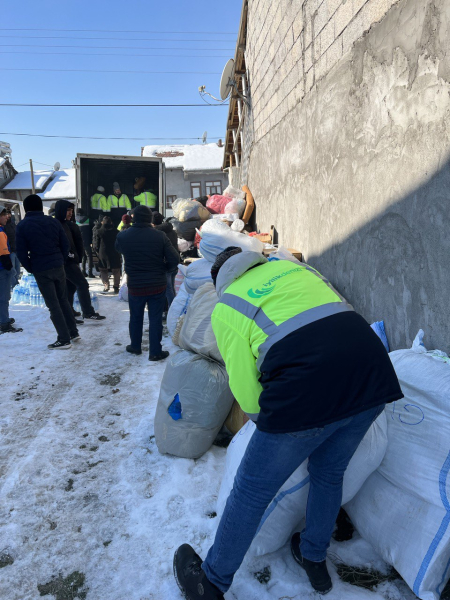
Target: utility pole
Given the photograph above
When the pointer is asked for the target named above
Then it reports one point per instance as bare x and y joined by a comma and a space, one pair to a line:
32, 177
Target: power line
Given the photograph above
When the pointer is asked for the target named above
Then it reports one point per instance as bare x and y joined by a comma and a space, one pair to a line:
110, 105
117, 30
114, 47
115, 71
68, 37
115, 54
87, 137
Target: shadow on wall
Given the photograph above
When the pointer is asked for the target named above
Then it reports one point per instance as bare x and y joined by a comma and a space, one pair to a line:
396, 267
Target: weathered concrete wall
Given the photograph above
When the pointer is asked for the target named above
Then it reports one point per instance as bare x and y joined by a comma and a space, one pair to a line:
357, 174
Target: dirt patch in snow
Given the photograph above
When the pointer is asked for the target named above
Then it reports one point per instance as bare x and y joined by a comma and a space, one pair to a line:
65, 588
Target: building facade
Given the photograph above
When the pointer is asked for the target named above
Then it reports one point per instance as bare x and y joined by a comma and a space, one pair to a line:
345, 147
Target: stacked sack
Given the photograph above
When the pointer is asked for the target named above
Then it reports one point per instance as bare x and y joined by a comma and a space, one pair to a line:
195, 397
403, 509
189, 216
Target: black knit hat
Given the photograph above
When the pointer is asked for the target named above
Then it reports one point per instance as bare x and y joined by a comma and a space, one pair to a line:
32, 202
142, 214
221, 259
157, 218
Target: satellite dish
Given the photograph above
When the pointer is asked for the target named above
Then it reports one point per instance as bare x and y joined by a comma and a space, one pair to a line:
205, 137
56, 166
227, 81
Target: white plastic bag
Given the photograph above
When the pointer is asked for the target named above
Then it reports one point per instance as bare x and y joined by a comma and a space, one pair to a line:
217, 236
189, 210
183, 245
283, 254
178, 307
197, 334
123, 292
198, 273
288, 508
233, 192
238, 225
193, 404
403, 509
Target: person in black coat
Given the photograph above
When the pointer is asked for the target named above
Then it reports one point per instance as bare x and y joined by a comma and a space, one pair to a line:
42, 248
167, 227
76, 282
149, 256
83, 223
10, 230
109, 258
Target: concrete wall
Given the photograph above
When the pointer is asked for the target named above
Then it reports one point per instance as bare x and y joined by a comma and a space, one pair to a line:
350, 152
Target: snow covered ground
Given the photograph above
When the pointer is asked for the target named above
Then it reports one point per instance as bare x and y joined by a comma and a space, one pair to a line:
87, 504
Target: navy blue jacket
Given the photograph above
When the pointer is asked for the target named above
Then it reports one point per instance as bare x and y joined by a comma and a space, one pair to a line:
41, 242
149, 255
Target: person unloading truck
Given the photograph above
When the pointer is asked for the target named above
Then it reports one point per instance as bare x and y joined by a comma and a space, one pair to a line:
313, 376
99, 204
119, 203
147, 198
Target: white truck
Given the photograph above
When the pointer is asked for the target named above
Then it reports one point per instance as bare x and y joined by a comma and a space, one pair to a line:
93, 170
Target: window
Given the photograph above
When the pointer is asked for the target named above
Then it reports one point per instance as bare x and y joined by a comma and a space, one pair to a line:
196, 190
169, 201
213, 187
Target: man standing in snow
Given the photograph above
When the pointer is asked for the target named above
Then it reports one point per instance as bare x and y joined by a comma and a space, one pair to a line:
6, 269
10, 230
149, 256
313, 376
42, 248
76, 282
83, 223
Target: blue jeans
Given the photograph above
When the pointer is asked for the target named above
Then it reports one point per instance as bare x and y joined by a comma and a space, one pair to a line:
16, 266
155, 304
170, 290
270, 459
5, 295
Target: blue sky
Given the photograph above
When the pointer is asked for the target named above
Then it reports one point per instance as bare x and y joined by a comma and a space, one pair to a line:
132, 24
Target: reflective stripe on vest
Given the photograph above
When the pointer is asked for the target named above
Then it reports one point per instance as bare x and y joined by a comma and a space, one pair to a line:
146, 199
96, 201
274, 332
119, 202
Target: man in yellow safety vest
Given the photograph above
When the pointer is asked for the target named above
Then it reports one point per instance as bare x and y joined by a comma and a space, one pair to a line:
147, 198
99, 203
119, 204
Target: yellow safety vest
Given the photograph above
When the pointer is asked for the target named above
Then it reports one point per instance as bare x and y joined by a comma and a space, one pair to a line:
122, 202
146, 199
98, 201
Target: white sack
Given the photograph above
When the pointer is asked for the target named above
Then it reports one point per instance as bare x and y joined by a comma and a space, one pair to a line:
200, 389
217, 236
283, 254
198, 273
403, 509
197, 334
178, 307
232, 192
288, 508
188, 210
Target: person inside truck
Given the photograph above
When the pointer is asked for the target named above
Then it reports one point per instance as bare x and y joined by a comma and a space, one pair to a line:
99, 204
147, 198
119, 204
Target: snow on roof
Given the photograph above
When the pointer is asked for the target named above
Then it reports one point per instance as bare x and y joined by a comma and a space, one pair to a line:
2, 161
61, 186
22, 181
194, 157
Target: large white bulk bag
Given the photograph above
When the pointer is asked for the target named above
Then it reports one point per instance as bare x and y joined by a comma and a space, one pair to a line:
288, 509
403, 509
217, 236
193, 403
197, 334
178, 307
198, 273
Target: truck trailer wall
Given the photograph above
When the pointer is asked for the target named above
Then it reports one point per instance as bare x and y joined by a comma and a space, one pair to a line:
354, 167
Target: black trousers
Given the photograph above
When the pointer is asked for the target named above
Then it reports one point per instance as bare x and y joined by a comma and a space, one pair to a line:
76, 282
87, 256
52, 285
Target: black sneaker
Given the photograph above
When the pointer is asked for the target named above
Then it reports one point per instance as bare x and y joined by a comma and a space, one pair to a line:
154, 357
60, 346
79, 322
12, 321
91, 275
116, 290
190, 577
132, 350
317, 571
75, 337
76, 313
9, 328
95, 318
